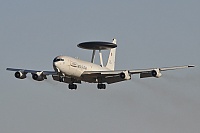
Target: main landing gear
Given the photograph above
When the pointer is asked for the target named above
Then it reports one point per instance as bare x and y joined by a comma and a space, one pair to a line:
101, 86
72, 86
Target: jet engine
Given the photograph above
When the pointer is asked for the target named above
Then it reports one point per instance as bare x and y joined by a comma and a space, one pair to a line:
38, 76
125, 75
20, 75
156, 73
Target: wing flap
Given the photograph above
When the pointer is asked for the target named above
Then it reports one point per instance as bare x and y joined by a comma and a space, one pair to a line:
145, 75
65, 79
105, 76
113, 79
101, 73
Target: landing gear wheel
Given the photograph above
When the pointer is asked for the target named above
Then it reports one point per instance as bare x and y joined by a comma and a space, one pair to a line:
104, 86
61, 79
101, 86
72, 86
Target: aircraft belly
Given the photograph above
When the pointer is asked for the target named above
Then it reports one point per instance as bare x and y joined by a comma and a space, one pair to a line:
72, 72
90, 80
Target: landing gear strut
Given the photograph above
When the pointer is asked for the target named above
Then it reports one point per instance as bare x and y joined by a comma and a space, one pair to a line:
101, 86
72, 86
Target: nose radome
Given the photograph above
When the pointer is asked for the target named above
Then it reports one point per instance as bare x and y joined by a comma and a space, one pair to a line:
55, 61
55, 64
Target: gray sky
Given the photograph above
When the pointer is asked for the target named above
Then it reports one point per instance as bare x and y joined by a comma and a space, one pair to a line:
149, 34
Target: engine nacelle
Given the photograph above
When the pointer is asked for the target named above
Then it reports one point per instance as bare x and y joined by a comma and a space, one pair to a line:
20, 75
125, 75
38, 76
156, 73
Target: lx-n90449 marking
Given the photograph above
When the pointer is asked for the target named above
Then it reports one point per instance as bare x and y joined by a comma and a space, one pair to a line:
73, 71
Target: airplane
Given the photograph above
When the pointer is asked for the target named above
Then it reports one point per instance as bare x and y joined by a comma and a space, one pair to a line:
75, 71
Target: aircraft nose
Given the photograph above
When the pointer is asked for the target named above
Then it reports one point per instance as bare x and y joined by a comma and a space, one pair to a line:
58, 61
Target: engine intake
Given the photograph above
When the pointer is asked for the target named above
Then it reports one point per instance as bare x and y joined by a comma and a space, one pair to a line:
38, 76
125, 75
20, 75
156, 73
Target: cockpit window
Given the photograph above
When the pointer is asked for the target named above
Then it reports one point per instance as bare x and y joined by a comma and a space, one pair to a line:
58, 59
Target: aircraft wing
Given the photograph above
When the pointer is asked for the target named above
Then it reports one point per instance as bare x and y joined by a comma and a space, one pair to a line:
121, 75
161, 69
156, 72
32, 71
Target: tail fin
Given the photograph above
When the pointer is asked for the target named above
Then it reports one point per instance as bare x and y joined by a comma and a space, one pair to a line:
111, 59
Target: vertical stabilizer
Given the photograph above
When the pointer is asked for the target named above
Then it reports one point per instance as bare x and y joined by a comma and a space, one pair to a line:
111, 58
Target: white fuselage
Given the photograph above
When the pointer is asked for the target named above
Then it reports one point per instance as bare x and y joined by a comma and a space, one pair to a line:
73, 67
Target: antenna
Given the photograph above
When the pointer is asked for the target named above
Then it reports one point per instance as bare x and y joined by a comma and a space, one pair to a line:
98, 45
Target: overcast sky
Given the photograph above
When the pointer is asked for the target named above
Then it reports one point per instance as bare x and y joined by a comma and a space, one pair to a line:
150, 33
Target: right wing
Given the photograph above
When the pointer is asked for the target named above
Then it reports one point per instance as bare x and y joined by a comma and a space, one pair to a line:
36, 74
41, 75
32, 71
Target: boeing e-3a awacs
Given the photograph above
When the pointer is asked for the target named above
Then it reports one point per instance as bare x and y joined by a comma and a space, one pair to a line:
71, 70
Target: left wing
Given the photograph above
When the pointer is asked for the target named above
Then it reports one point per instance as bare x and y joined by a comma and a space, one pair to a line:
156, 72
121, 75
36, 74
